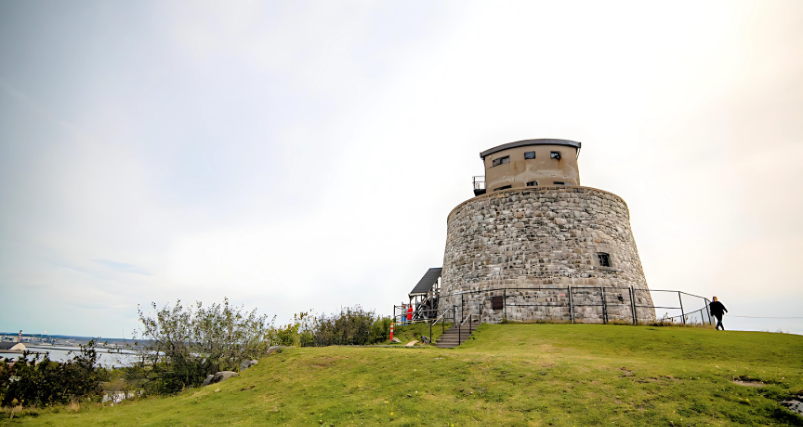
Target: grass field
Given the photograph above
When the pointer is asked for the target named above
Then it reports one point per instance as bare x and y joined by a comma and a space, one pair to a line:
510, 375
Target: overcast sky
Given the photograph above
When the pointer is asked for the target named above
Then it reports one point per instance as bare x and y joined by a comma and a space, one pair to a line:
305, 155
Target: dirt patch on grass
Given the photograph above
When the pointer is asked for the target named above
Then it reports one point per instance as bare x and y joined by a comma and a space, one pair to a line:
749, 383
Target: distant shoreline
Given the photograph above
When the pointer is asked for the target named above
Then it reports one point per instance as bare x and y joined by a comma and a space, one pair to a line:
76, 349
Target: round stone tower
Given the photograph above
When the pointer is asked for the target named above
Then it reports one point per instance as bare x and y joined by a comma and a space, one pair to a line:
549, 247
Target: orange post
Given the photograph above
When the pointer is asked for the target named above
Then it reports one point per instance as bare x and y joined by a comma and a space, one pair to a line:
391, 331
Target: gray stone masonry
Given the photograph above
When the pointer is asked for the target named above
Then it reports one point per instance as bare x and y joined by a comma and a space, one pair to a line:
544, 240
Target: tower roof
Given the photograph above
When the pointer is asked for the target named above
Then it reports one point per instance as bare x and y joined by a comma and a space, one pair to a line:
526, 142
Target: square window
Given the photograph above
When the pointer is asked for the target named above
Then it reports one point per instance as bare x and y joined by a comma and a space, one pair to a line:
500, 161
529, 155
532, 183
604, 259
554, 155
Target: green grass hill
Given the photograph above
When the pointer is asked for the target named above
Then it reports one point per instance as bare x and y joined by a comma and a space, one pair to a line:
509, 375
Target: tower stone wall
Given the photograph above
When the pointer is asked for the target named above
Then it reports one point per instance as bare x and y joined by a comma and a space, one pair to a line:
542, 241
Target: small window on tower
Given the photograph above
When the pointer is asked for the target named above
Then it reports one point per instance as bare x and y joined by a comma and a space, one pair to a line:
558, 182
532, 183
502, 188
501, 161
554, 155
529, 155
604, 259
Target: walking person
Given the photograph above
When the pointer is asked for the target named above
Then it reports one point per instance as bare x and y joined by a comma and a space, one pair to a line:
718, 310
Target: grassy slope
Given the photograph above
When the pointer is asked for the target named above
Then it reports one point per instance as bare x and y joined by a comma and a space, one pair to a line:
509, 375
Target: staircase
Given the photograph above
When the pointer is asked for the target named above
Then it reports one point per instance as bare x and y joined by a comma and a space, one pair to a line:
455, 336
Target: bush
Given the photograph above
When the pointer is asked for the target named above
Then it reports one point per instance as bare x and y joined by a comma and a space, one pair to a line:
35, 380
182, 346
352, 326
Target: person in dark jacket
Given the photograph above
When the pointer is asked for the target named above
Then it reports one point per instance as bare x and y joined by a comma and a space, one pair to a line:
718, 310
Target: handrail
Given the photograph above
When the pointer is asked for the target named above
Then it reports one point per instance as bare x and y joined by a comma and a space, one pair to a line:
445, 310
439, 318
470, 310
463, 322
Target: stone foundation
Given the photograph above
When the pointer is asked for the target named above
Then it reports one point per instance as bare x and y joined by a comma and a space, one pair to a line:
543, 240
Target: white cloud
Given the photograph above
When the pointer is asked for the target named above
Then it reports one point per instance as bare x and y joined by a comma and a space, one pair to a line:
306, 155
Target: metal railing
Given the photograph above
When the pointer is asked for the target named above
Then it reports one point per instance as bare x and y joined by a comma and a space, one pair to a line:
607, 303
479, 182
442, 318
420, 314
573, 304
581, 303
466, 318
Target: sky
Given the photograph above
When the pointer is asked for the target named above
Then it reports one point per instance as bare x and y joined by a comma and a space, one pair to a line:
304, 155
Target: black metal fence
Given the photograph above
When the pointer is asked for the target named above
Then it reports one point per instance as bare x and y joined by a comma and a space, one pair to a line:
581, 304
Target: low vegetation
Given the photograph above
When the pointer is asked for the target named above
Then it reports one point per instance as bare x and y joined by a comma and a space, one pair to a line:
509, 375
35, 381
179, 347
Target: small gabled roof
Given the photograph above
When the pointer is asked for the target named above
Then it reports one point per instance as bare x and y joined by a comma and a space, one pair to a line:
425, 284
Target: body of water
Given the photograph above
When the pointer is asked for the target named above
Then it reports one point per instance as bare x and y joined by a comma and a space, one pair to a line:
63, 354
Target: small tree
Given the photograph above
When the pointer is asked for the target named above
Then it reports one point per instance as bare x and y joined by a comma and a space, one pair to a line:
184, 345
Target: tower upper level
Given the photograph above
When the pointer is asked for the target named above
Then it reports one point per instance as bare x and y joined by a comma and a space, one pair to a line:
530, 163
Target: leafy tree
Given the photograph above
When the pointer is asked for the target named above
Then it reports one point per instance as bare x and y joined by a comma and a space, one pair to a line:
181, 346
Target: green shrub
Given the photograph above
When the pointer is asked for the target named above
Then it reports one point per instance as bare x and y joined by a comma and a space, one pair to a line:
352, 326
35, 380
182, 346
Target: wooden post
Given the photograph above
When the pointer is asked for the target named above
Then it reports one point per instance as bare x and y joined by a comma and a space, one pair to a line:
571, 305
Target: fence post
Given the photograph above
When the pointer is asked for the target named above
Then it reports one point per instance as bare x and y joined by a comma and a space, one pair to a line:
504, 303
682, 313
604, 305
708, 312
633, 304
571, 305
459, 326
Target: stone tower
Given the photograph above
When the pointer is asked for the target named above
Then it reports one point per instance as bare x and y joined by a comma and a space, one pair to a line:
560, 250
